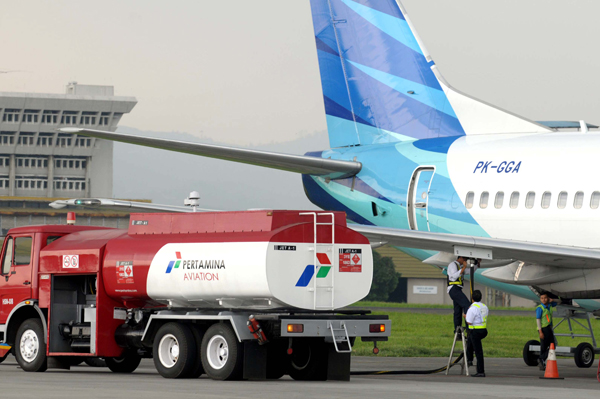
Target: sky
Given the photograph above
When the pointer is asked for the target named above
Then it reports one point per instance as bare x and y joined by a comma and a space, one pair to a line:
245, 72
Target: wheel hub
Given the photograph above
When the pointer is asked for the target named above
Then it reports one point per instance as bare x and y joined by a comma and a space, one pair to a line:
217, 352
168, 350
29, 346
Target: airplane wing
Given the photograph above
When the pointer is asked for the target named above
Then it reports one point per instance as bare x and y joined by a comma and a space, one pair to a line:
489, 249
119, 204
334, 169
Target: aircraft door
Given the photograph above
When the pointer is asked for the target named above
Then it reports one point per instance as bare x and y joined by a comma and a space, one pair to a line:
418, 198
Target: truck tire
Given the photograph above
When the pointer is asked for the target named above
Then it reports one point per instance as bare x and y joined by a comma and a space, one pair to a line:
30, 349
174, 351
584, 355
124, 364
530, 358
308, 361
222, 354
198, 332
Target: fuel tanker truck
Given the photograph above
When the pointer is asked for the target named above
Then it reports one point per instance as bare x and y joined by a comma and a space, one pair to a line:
235, 295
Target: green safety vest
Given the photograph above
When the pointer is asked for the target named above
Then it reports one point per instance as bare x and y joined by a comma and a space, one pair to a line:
546, 315
459, 280
484, 325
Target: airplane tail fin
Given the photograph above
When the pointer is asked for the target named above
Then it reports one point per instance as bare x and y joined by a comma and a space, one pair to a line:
381, 85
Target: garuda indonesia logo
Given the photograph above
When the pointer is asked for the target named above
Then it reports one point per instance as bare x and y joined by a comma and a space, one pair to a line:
174, 264
309, 271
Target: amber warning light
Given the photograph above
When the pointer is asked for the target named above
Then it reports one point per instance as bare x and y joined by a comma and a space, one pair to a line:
295, 328
376, 328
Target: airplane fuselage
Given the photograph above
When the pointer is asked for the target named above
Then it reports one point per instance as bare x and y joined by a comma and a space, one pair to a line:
526, 187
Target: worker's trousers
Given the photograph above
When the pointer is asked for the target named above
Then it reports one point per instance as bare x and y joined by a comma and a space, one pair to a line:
461, 304
545, 344
474, 344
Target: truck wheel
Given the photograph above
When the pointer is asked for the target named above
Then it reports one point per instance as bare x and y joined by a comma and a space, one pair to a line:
124, 364
308, 361
198, 333
584, 355
530, 358
30, 349
222, 353
174, 351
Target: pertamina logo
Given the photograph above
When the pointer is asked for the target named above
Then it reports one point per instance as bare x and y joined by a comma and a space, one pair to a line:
195, 264
309, 271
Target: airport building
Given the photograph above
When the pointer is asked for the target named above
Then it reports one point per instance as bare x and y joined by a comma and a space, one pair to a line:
38, 161
38, 164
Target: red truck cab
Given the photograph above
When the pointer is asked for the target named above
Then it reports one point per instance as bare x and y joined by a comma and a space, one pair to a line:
19, 278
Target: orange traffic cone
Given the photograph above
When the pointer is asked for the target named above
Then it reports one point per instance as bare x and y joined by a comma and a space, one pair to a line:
551, 367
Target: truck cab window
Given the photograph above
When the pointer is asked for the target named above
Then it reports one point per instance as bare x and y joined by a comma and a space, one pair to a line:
7, 261
51, 239
23, 250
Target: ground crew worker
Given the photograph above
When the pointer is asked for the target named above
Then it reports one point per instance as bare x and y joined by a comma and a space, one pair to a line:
455, 285
543, 316
477, 321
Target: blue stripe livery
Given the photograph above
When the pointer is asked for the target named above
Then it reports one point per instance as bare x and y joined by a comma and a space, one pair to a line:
306, 276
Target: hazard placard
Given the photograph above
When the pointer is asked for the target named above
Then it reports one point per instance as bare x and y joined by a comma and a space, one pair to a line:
350, 260
125, 272
70, 261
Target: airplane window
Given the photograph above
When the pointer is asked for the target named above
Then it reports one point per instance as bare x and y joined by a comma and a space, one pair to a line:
578, 202
595, 201
469, 200
499, 199
546, 199
562, 200
483, 201
530, 200
514, 199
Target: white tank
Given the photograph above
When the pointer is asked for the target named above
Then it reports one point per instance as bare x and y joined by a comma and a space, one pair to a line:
261, 275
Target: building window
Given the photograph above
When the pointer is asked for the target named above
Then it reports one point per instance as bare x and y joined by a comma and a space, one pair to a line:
50, 117
483, 200
578, 201
514, 200
469, 200
69, 118
88, 118
562, 200
11, 115
499, 200
546, 197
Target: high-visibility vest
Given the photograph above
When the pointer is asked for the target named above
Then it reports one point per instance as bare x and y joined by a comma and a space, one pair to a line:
546, 315
484, 319
459, 280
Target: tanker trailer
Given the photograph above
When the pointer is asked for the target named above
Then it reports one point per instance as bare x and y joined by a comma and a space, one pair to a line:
235, 295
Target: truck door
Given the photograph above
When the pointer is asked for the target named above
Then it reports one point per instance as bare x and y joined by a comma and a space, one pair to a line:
418, 198
15, 280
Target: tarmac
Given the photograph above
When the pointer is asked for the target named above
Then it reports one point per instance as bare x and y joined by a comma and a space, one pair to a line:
506, 378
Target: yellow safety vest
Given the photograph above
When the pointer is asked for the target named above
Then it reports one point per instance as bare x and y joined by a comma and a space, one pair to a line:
459, 280
546, 315
484, 323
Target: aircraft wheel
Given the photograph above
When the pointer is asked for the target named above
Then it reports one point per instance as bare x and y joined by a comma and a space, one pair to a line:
30, 349
584, 355
174, 351
222, 354
124, 364
530, 358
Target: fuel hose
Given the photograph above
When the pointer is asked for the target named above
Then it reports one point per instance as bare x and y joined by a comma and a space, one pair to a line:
400, 372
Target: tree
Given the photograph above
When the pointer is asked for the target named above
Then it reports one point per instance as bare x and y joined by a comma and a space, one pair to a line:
385, 278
